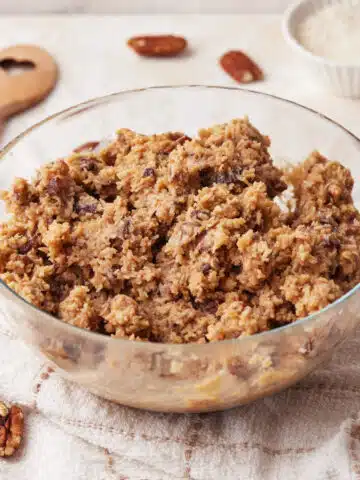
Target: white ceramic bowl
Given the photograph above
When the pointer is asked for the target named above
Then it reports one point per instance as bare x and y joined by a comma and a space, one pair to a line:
342, 80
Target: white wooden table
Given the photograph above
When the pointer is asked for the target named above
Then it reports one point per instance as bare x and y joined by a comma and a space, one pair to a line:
94, 59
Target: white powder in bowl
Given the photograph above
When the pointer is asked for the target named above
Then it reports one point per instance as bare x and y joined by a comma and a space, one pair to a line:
333, 32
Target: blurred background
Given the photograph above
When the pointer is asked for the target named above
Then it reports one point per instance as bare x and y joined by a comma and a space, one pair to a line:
143, 6
88, 41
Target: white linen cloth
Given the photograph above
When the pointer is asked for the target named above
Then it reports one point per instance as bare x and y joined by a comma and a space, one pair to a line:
310, 431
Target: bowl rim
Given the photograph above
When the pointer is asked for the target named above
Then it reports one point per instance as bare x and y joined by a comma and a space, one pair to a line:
290, 36
187, 346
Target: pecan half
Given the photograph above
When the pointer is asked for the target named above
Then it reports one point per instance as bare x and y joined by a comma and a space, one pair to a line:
240, 67
157, 45
11, 429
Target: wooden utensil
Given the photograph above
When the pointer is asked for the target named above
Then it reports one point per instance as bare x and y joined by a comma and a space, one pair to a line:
37, 78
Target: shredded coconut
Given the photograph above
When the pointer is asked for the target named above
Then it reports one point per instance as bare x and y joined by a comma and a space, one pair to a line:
333, 32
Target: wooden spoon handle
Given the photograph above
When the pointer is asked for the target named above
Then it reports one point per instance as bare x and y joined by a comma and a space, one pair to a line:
19, 92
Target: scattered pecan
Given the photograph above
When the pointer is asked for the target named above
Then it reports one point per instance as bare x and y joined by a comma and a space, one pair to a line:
88, 146
240, 67
11, 429
157, 45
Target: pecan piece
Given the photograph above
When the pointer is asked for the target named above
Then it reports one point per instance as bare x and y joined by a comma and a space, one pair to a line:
240, 67
86, 147
11, 429
157, 45
178, 141
58, 187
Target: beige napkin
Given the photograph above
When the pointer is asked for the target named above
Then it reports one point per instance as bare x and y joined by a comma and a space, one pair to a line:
310, 431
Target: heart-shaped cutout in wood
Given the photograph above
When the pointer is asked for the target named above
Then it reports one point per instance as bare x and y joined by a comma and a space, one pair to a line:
12, 67
27, 75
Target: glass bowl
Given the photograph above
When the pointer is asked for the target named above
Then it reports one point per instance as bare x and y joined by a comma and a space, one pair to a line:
192, 377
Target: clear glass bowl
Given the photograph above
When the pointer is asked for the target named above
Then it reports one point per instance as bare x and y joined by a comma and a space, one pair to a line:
192, 377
